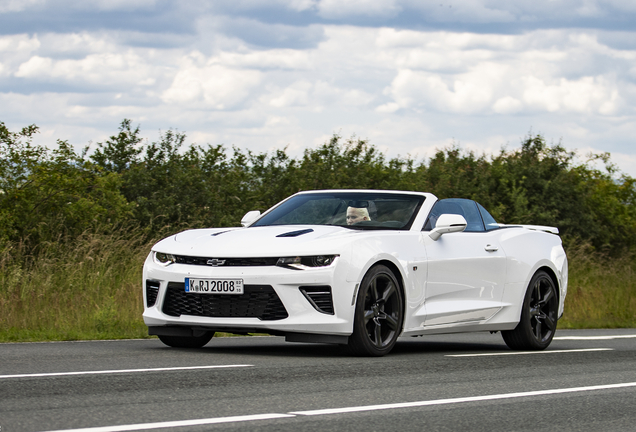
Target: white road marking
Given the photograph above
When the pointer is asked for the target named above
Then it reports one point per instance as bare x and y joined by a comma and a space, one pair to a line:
528, 352
461, 400
181, 423
595, 337
38, 375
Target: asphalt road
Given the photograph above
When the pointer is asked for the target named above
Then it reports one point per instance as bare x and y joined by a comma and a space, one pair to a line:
585, 381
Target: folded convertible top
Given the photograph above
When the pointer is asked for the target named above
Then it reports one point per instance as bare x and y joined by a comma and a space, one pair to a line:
552, 230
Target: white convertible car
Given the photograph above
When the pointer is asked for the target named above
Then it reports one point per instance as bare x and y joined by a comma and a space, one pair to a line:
358, 268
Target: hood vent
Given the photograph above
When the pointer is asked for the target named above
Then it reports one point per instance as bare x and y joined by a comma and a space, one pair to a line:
296, 233
218, 233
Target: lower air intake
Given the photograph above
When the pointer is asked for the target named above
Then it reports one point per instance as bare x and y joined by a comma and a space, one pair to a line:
319, 297
257, 301
152, 289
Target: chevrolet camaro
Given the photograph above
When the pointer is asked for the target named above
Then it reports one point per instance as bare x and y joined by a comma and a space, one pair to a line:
359, 268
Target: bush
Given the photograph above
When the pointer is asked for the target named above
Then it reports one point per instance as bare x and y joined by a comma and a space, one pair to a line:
75, 229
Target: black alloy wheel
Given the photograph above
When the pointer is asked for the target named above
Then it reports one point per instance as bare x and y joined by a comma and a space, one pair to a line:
186, 341
379, 314
538, 317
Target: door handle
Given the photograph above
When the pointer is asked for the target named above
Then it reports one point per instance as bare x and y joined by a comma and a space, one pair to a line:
491, 248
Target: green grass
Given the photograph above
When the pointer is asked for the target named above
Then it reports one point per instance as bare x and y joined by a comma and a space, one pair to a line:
601, 290
91, 289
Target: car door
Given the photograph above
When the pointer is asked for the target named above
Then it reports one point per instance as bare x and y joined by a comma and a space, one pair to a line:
466, 271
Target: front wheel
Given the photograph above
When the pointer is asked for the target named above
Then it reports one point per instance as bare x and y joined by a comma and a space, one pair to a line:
538, 317
379, 314
186, 341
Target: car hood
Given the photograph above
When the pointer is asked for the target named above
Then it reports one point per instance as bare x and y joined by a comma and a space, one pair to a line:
269, 241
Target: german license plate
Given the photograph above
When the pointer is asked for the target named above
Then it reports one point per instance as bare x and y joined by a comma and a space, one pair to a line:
214, 286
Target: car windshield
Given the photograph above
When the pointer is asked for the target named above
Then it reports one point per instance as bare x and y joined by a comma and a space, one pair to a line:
355, 210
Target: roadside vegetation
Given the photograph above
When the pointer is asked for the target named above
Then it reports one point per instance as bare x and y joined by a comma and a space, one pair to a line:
75, 228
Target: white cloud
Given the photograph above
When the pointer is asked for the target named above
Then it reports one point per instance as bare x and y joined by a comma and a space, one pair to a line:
19, 5
211, 87
302, 5
625, 162
585, 95
388, 108
412, 89
296, 94
464, 73
507, 105
622, 5
14, 50
317, 95
473, 11
276, 121
21, 43
77, 45
344, 8
408, 91
273, 59
129, 5
588, 8
104, 69
35, 67
436, 11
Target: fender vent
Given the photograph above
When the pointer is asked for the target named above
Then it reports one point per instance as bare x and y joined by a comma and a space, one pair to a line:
152, 289
319, 297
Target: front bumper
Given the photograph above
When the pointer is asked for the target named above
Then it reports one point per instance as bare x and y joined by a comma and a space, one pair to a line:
301, 316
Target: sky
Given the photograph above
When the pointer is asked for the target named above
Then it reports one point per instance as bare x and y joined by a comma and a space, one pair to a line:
411, 76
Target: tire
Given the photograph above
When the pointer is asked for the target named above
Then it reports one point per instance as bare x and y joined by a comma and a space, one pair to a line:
539, 316
186, 341
379, 314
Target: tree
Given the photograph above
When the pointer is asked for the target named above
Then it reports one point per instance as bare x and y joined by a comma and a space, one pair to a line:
52, 194
120, 151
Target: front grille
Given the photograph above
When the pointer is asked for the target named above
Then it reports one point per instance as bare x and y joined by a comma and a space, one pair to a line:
152, 289
225, 262
257, 301
319, 297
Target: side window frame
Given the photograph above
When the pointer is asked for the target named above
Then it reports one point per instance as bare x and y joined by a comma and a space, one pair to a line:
475, 221
487, 225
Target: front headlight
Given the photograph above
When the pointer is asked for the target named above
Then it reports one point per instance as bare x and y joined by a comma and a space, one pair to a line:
307, 262
164, 258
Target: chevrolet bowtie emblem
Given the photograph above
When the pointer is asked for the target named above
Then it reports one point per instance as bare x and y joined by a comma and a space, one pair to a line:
215, 262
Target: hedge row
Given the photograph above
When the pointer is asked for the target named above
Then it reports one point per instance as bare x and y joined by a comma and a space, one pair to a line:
49, 194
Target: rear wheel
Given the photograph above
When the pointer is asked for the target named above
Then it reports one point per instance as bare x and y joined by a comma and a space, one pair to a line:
186, 341
538, 317
379, 314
